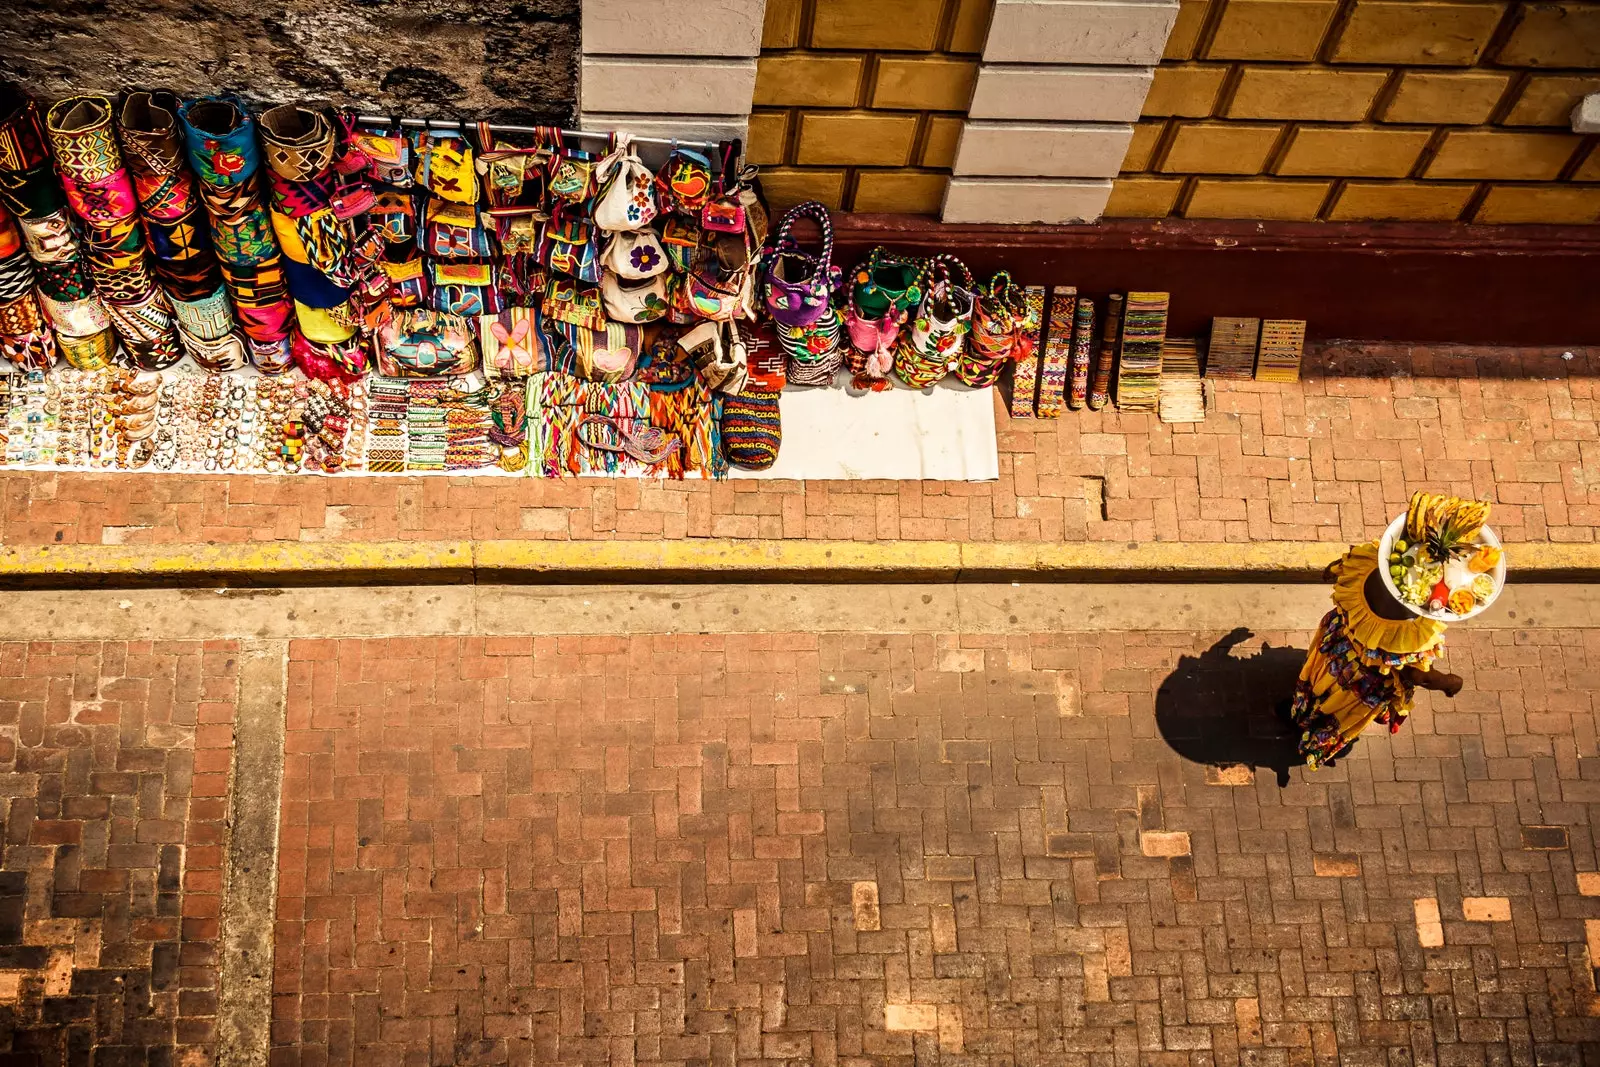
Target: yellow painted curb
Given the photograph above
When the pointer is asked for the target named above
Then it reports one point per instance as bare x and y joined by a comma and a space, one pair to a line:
713, 560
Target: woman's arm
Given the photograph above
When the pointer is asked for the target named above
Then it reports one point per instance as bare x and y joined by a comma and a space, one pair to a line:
1439, 681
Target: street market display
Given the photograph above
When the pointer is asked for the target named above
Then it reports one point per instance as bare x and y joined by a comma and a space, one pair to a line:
189, 285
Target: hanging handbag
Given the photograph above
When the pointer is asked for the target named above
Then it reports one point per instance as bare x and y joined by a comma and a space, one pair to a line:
454, 232
717, 354
607, 354
422, 343
568, 300
798, 285
569, 244
767, 365
635, 254
685, 181
509, 342
463, 289
446, 169
388, 157
716, 292
680, 238
646, 300
408, 283
571, 174
724, 213
627, 198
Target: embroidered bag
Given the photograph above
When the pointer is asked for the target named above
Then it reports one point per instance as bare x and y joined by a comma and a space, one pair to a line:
510, 343
454, 232
570, 244
627, 190
566, 300
409, 284
724, 213
685, 181
388, 157
464, 289
635, 254
715, 291
646, 300
446, 168
422, 343
571, 175
680, 237
798, 284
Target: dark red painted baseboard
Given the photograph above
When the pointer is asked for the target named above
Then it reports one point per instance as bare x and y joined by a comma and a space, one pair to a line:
1510, 285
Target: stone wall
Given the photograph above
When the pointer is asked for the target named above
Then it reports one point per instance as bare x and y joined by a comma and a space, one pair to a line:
507, 60
1368, 110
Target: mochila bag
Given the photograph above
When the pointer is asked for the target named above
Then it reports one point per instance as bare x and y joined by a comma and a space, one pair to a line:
724, 213
627, 198
685, 181
798, 286
570, 245
423, 343
635, 254
751, 427
454, 232
645, 300
937, 338
885, 290
993, 339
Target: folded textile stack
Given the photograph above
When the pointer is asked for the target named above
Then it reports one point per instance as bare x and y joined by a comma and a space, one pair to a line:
1144, 328
65, 291
220, 137
100, 192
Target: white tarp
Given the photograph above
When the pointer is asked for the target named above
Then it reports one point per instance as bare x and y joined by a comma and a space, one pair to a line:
942, 434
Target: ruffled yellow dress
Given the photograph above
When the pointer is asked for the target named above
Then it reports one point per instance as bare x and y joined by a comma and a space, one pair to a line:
1351, 675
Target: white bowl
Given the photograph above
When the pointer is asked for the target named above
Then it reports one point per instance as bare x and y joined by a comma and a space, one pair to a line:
1386, 545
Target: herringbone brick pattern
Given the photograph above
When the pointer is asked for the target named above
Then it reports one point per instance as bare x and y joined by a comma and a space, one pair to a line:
859, 849
1332, 458
114, 762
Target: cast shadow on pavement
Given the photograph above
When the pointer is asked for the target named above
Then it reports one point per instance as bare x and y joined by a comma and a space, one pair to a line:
1220, 710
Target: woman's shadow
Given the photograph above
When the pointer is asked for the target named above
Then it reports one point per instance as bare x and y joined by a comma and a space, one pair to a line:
1220, 710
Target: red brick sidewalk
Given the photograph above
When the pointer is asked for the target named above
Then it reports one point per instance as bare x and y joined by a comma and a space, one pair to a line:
986, 850
1329, 459
863, 849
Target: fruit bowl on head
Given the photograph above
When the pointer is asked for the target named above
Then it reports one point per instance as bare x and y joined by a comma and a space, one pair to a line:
1485, 536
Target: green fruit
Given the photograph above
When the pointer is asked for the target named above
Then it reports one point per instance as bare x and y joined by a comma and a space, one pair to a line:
1400, 545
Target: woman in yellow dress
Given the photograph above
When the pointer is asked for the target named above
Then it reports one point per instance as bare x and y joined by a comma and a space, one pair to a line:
1368, 658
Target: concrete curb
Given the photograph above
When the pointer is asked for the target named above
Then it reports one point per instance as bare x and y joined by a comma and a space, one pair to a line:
422, 562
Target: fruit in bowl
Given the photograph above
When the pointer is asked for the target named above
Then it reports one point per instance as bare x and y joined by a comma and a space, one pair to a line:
1442, 561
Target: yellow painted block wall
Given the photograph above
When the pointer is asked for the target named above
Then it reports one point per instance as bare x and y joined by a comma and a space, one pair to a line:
858, 103
1362, 110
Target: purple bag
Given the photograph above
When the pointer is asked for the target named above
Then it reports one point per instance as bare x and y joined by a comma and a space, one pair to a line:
798, 285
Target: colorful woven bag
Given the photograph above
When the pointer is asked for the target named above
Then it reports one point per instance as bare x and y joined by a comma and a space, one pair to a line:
751, 427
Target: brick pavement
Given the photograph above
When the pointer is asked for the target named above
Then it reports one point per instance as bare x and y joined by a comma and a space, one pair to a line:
1328, 459
868, 849
114, 760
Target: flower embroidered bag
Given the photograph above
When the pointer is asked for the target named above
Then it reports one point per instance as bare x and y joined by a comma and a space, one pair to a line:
635, 254
627, 190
